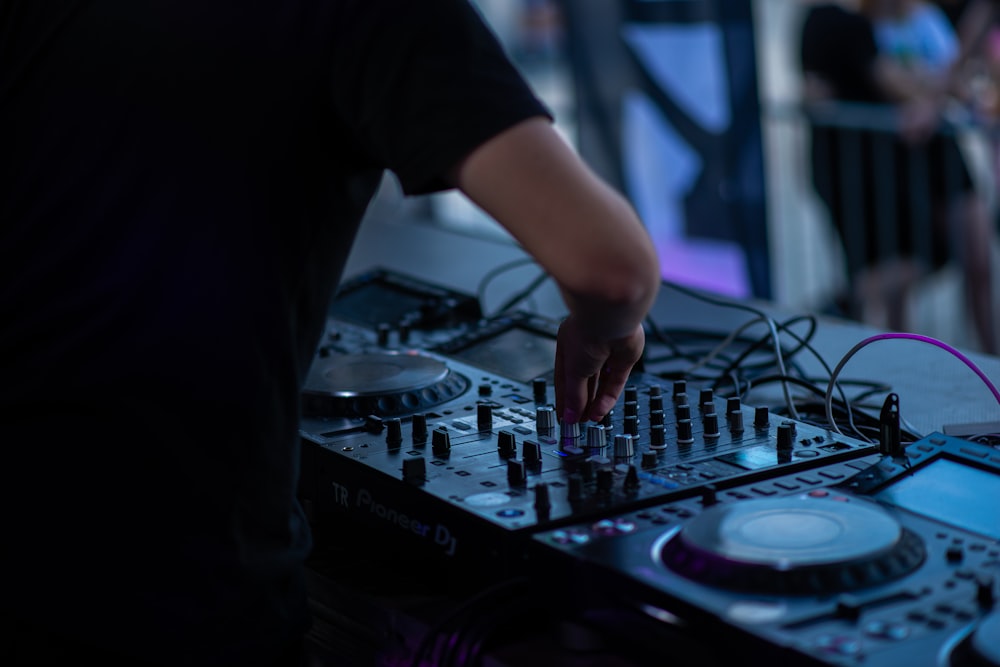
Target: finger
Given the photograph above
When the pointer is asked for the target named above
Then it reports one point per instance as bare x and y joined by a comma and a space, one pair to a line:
609, 388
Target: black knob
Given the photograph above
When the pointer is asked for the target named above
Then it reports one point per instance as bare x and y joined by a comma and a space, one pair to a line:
985, 590
507, 444
685, 434
631, 408
631, 480
649, 459
732, 403
680, 391
656, 418
658, 437
484, 416
760, 417
709, 496
631, 393
542, 499
516, 474
373, 424
606, 420
393, 432
539, 387
683, 411
655, 403
710, 424
785, 439
383, 334
441, 441
414, 469
736, 421
485, 389
631, 425
419, 429
655, 391
531, 452
706, 396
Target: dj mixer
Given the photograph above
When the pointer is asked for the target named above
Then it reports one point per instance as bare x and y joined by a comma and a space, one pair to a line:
720, 526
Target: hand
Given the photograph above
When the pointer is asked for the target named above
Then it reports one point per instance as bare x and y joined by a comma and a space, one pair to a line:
591, 374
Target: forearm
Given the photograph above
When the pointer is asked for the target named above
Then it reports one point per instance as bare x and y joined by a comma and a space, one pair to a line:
581, 231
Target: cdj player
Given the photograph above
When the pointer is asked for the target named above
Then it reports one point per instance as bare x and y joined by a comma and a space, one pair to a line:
707, 527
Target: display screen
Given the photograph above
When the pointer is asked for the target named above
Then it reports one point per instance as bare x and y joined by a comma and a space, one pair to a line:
518, 354
956, 494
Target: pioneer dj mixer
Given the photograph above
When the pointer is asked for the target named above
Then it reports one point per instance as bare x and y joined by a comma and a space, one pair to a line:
680, 508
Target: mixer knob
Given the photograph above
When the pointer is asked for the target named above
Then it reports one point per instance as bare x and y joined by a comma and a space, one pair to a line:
631, 425
575, 490
542, 500
760, 417
484, 417
791, 427
393, 432
419, 429
709, 496
656, 418
683, 411
382, 332
657, 437
624, 446
441, 441
649, 459
655, 403
685, 435
655, 391
606, 420
631, 394
570, 436
985, 590
414, 469
680, 391
785, 440
545, 419
531, 452
736, 421
516, 474
597, 443
373, 424
732, 403
539, 387
706, 400
485, 389
710, 423
631, 480
507, 444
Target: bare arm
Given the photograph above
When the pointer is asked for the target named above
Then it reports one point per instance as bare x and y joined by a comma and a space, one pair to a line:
589, 239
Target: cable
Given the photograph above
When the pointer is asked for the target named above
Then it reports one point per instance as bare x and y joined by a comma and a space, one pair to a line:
496, 271
917, 337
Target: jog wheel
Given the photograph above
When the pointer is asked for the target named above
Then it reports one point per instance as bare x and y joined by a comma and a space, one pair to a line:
793, 546
383, 384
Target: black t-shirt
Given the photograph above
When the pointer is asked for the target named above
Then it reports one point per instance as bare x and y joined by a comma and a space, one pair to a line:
180, 184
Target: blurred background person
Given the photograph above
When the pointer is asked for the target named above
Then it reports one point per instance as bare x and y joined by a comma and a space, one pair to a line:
884, 163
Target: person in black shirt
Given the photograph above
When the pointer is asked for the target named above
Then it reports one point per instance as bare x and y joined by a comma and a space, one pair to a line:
180, 186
